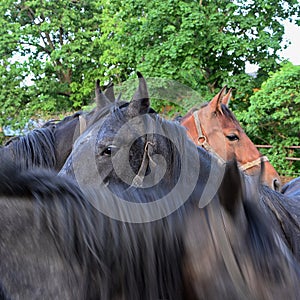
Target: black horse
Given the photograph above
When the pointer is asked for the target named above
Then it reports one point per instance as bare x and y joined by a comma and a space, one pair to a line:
292, 188
56, 245
126, 152
136, 150
50, 145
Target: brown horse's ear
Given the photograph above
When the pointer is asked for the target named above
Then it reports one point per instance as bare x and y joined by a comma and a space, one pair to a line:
227, 97
140, 101
101, 99
109, 92
215, 103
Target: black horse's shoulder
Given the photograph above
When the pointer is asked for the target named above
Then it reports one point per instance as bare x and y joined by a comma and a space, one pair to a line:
27, 183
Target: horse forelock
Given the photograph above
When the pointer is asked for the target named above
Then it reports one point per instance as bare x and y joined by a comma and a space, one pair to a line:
228, 113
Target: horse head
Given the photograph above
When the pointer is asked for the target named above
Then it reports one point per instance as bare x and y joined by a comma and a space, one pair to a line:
215, 128
134, 149
71, 127
130, 143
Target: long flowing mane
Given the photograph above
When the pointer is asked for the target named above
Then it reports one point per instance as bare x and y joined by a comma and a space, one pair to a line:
285, 214
38, 147
34, 149
138, 261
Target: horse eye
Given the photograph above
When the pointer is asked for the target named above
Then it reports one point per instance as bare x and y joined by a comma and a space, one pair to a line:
108, 151
232, 137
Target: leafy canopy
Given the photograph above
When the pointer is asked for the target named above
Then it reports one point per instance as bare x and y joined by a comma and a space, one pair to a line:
49, 56
273, 116
203, 44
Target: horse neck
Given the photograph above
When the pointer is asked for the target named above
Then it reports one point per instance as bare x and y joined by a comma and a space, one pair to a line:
36, 149
285, 214
6, 154
65, 137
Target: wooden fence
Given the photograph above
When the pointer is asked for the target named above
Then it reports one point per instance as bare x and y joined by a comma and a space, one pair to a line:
285, 178
290, 147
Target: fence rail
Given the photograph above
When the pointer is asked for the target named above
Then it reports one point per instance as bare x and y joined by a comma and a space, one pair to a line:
288, 147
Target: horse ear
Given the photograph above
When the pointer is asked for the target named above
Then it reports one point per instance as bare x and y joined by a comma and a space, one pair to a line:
140, 101
231, 189
109, 92
101, 98
227, 97
215, 103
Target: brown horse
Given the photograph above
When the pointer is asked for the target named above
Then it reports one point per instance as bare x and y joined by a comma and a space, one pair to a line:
215, 128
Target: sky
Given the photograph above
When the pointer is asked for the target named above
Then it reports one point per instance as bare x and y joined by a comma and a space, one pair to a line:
292, 32
292, 52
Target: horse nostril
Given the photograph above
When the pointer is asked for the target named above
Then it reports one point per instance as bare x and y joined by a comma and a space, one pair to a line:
276, 185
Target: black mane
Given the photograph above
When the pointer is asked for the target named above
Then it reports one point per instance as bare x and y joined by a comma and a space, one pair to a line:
45, 147
141, 256
285, 215
34, 149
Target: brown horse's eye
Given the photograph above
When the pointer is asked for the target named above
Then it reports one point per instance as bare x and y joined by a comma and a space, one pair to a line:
232, 137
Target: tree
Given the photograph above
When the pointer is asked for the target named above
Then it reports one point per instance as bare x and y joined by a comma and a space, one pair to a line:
63, 46
273, 116
203, 44
49, 56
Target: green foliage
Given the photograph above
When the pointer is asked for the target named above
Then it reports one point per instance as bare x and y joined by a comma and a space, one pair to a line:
208, 41
273, 116
168, 97
203, 45
49, 57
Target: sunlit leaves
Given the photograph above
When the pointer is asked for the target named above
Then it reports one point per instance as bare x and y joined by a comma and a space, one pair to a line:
52, 41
